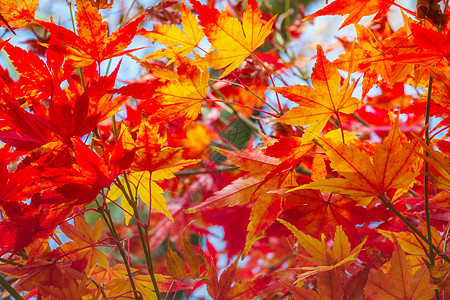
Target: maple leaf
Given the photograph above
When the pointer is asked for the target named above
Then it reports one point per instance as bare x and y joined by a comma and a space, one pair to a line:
72, 289
319, 104
37, 80
244, 289
441, 94
174, 262
372, 56
299, 293
240, 191
402, 284
25, 131
355, 10
182, 41
81, 185
321, 254
318, 213
69, 113
192, 257
84, 243
18, 185
435, 47
92, 43
234, 41
408, 241
152, 155
70, 116
50, 274
17, 13
390, 169
182, 94
249, 288
267, 172
144, 186
102, 4
28, 222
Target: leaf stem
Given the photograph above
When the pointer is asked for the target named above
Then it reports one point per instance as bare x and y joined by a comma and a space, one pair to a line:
340, 126
447, 231
105, 213
99, 286
71, 15
144, 238
204, 171
147, 251
256, 95
114, 127
414, 229
426, 169
271, 79
245, 120
10, 289
354, 115
150, 265
74, 31
242, 105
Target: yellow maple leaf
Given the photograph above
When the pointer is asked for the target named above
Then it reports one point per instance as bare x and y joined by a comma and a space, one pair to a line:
143, 188
326, 259
182, 41
234, 41
408, 241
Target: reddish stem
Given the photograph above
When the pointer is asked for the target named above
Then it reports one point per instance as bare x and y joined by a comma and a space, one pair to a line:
271, 79
242, 105
405, 9
131, 215
446, 127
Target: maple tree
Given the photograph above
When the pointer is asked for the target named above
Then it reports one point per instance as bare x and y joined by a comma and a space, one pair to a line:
329, 184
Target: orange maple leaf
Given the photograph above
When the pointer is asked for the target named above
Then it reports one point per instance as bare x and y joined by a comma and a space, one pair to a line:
356, 9
84, 243
17, 13
402, 284
234, 41
51, 274
319, 104
390, 169
440, 163
182, 94
371, 56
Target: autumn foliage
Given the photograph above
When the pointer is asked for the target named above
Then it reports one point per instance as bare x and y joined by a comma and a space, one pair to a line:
330, 182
